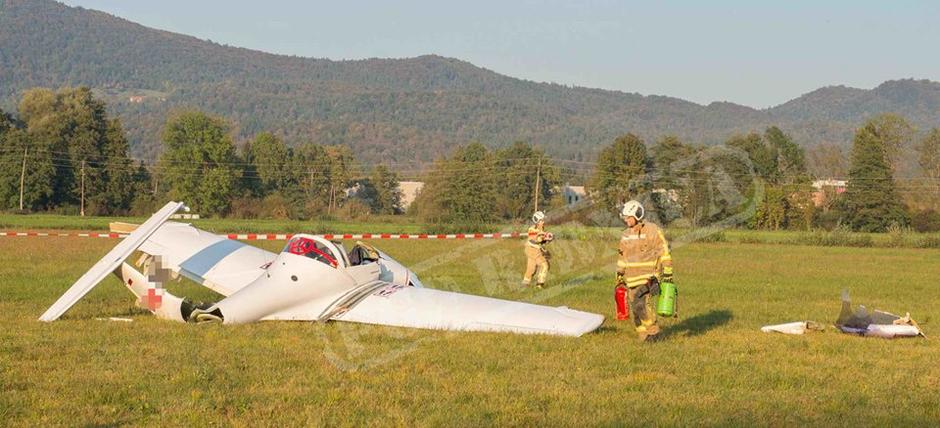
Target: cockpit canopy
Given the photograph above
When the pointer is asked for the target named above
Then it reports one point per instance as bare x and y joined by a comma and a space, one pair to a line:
330, 252
316, 248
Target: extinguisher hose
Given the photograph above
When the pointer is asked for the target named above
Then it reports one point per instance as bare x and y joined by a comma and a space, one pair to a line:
676, 313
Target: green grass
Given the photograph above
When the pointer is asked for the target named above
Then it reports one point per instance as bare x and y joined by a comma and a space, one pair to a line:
714, 367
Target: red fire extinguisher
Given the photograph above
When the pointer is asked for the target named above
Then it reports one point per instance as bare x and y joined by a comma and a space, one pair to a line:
620, 297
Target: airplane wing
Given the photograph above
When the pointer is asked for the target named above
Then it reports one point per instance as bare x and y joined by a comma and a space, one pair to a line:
403, 306
109, 262
221, 264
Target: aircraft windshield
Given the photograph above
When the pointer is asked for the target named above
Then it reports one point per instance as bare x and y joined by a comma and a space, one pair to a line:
312, 249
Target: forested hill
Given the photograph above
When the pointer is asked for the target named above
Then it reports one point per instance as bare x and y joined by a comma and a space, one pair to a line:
401, 109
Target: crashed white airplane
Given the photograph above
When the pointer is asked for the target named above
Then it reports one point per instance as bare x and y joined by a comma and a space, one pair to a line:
312, 279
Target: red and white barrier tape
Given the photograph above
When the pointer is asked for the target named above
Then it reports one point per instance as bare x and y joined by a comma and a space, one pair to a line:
286, 236
65, 234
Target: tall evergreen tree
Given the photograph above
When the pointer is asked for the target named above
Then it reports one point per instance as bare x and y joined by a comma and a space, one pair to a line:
871, 203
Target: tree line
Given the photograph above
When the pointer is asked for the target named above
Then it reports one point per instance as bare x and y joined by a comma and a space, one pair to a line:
762, 180
64, 153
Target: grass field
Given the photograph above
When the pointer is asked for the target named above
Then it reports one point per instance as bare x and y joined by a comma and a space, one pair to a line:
714, 367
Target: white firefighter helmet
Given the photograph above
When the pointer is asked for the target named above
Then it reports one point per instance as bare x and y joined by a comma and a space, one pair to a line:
632, 209
538, 216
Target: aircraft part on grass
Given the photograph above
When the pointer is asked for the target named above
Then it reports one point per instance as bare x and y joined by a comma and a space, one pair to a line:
443, 310
110, 262
875, 323
311, 279
798, 327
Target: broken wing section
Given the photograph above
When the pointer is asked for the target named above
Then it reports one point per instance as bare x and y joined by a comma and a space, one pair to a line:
875, 323
110, 262
221, 264
403, 306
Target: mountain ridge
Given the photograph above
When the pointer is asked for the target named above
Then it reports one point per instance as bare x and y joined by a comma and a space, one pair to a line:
387, 109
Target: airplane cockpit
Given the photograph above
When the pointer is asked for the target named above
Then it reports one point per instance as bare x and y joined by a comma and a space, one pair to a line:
332, 253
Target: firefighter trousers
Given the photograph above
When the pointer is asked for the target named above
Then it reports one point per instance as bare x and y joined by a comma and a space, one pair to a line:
642, 301
536, 261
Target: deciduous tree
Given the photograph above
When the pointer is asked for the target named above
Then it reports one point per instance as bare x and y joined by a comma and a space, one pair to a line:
620, 173
517, 169
929, 158
198, 161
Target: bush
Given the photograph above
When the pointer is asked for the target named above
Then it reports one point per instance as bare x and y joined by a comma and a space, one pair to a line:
245, 208
751, 239
899, 236
446, 228
929, 242
710, 237
68, 209
144, 205
841, 236
926, 221
275, 206
827, 220
354, 209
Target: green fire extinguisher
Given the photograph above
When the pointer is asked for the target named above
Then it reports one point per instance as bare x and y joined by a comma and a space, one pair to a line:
668, 294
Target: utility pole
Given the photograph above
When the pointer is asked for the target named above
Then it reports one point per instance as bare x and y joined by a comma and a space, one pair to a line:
23, 176
82, 210
538, 183
330, 208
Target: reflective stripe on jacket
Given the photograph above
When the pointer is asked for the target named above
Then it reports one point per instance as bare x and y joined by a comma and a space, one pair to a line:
643, 253
536, 237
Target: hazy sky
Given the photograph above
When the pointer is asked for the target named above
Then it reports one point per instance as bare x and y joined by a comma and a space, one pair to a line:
749, 52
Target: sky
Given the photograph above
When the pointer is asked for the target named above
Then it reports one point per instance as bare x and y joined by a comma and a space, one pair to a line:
756, 53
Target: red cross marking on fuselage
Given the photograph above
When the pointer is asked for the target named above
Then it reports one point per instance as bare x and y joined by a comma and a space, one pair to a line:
153, 299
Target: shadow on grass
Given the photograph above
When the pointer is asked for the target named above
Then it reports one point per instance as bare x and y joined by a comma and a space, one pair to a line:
699, 324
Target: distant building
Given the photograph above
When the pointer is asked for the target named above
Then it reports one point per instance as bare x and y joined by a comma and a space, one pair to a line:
409, 191
671, 194
823, 186
573, 194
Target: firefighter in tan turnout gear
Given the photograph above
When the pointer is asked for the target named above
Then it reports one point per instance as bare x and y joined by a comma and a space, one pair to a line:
644, 261
535, 253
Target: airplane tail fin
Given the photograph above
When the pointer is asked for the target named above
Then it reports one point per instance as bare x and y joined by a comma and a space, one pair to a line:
152, 296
